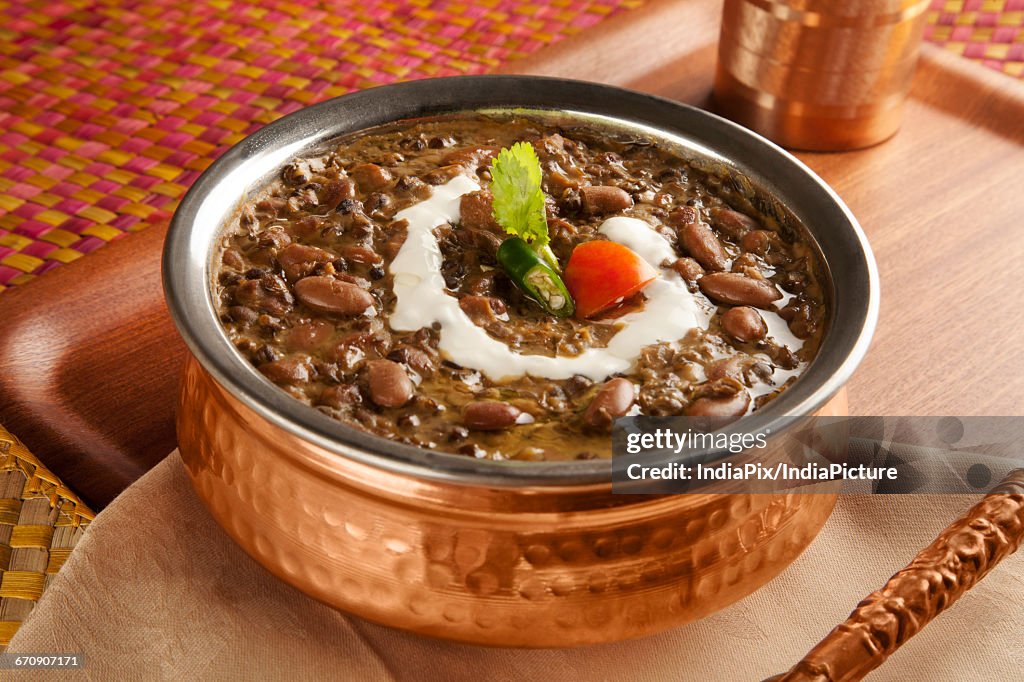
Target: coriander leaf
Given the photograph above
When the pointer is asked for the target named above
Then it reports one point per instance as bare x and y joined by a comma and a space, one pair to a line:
518, 196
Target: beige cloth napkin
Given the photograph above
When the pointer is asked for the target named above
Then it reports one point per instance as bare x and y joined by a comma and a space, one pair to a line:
155, 590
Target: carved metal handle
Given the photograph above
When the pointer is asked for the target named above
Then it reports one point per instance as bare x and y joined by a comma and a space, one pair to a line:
951, 565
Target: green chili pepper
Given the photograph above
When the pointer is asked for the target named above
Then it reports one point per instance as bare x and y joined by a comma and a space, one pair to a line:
531, 273
548, 256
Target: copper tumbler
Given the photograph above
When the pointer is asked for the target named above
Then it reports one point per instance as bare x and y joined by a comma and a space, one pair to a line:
819, 75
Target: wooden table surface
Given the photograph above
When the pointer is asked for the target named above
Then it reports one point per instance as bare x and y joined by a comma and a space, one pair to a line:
88, 358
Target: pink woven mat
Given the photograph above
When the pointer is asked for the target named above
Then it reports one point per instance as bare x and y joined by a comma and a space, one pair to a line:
110, 109
990, 31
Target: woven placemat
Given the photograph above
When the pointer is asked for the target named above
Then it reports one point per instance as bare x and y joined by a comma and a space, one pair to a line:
990, 31
109, 110
41, 521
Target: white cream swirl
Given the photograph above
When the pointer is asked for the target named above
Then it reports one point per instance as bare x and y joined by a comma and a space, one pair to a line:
670, 311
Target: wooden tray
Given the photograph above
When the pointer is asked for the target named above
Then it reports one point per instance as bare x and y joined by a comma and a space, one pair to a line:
89, 360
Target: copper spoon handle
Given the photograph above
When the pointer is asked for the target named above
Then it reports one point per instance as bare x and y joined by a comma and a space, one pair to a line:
940, 574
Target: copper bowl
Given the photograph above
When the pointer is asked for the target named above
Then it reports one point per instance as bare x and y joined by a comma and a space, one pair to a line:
497, 553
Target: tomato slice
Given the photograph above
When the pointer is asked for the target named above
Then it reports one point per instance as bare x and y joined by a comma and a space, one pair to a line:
601, 274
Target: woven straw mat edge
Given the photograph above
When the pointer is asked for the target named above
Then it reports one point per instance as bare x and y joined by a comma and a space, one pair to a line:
41, 521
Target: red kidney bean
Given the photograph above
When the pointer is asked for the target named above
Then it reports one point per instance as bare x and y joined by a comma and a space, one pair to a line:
388, 383
377, 205
600, 199
482, 309
472, 450
269, 323
736, 289
310, 335
688, 269
370, 177
561, 229
299, 260
303, 200
398, 230
275, 237
350, 212
355, 347
800, 317
269, 205
441, 175
336, 191
241, 313
360, 282
287, 371
733, 223
476, 211
265, 294
487, 242
328, 295
233, 259
612, 400
481, 283
559, 182
297, 173
683, 216
700, 242
531, 454
553, 144
733, 367
339, 396
759, 241
361, 255
308, 227
576, 385
490, 415
783, 357
440, 141
744, 324
746, 263
427, 339
734, 405
457, 433
472, 157
417, 360
725, 397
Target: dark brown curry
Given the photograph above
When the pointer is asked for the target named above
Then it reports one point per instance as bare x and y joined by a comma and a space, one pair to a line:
305, 287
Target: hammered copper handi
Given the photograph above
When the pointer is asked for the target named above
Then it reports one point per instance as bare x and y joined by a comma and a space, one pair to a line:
542, 554
512, 566
818, 74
